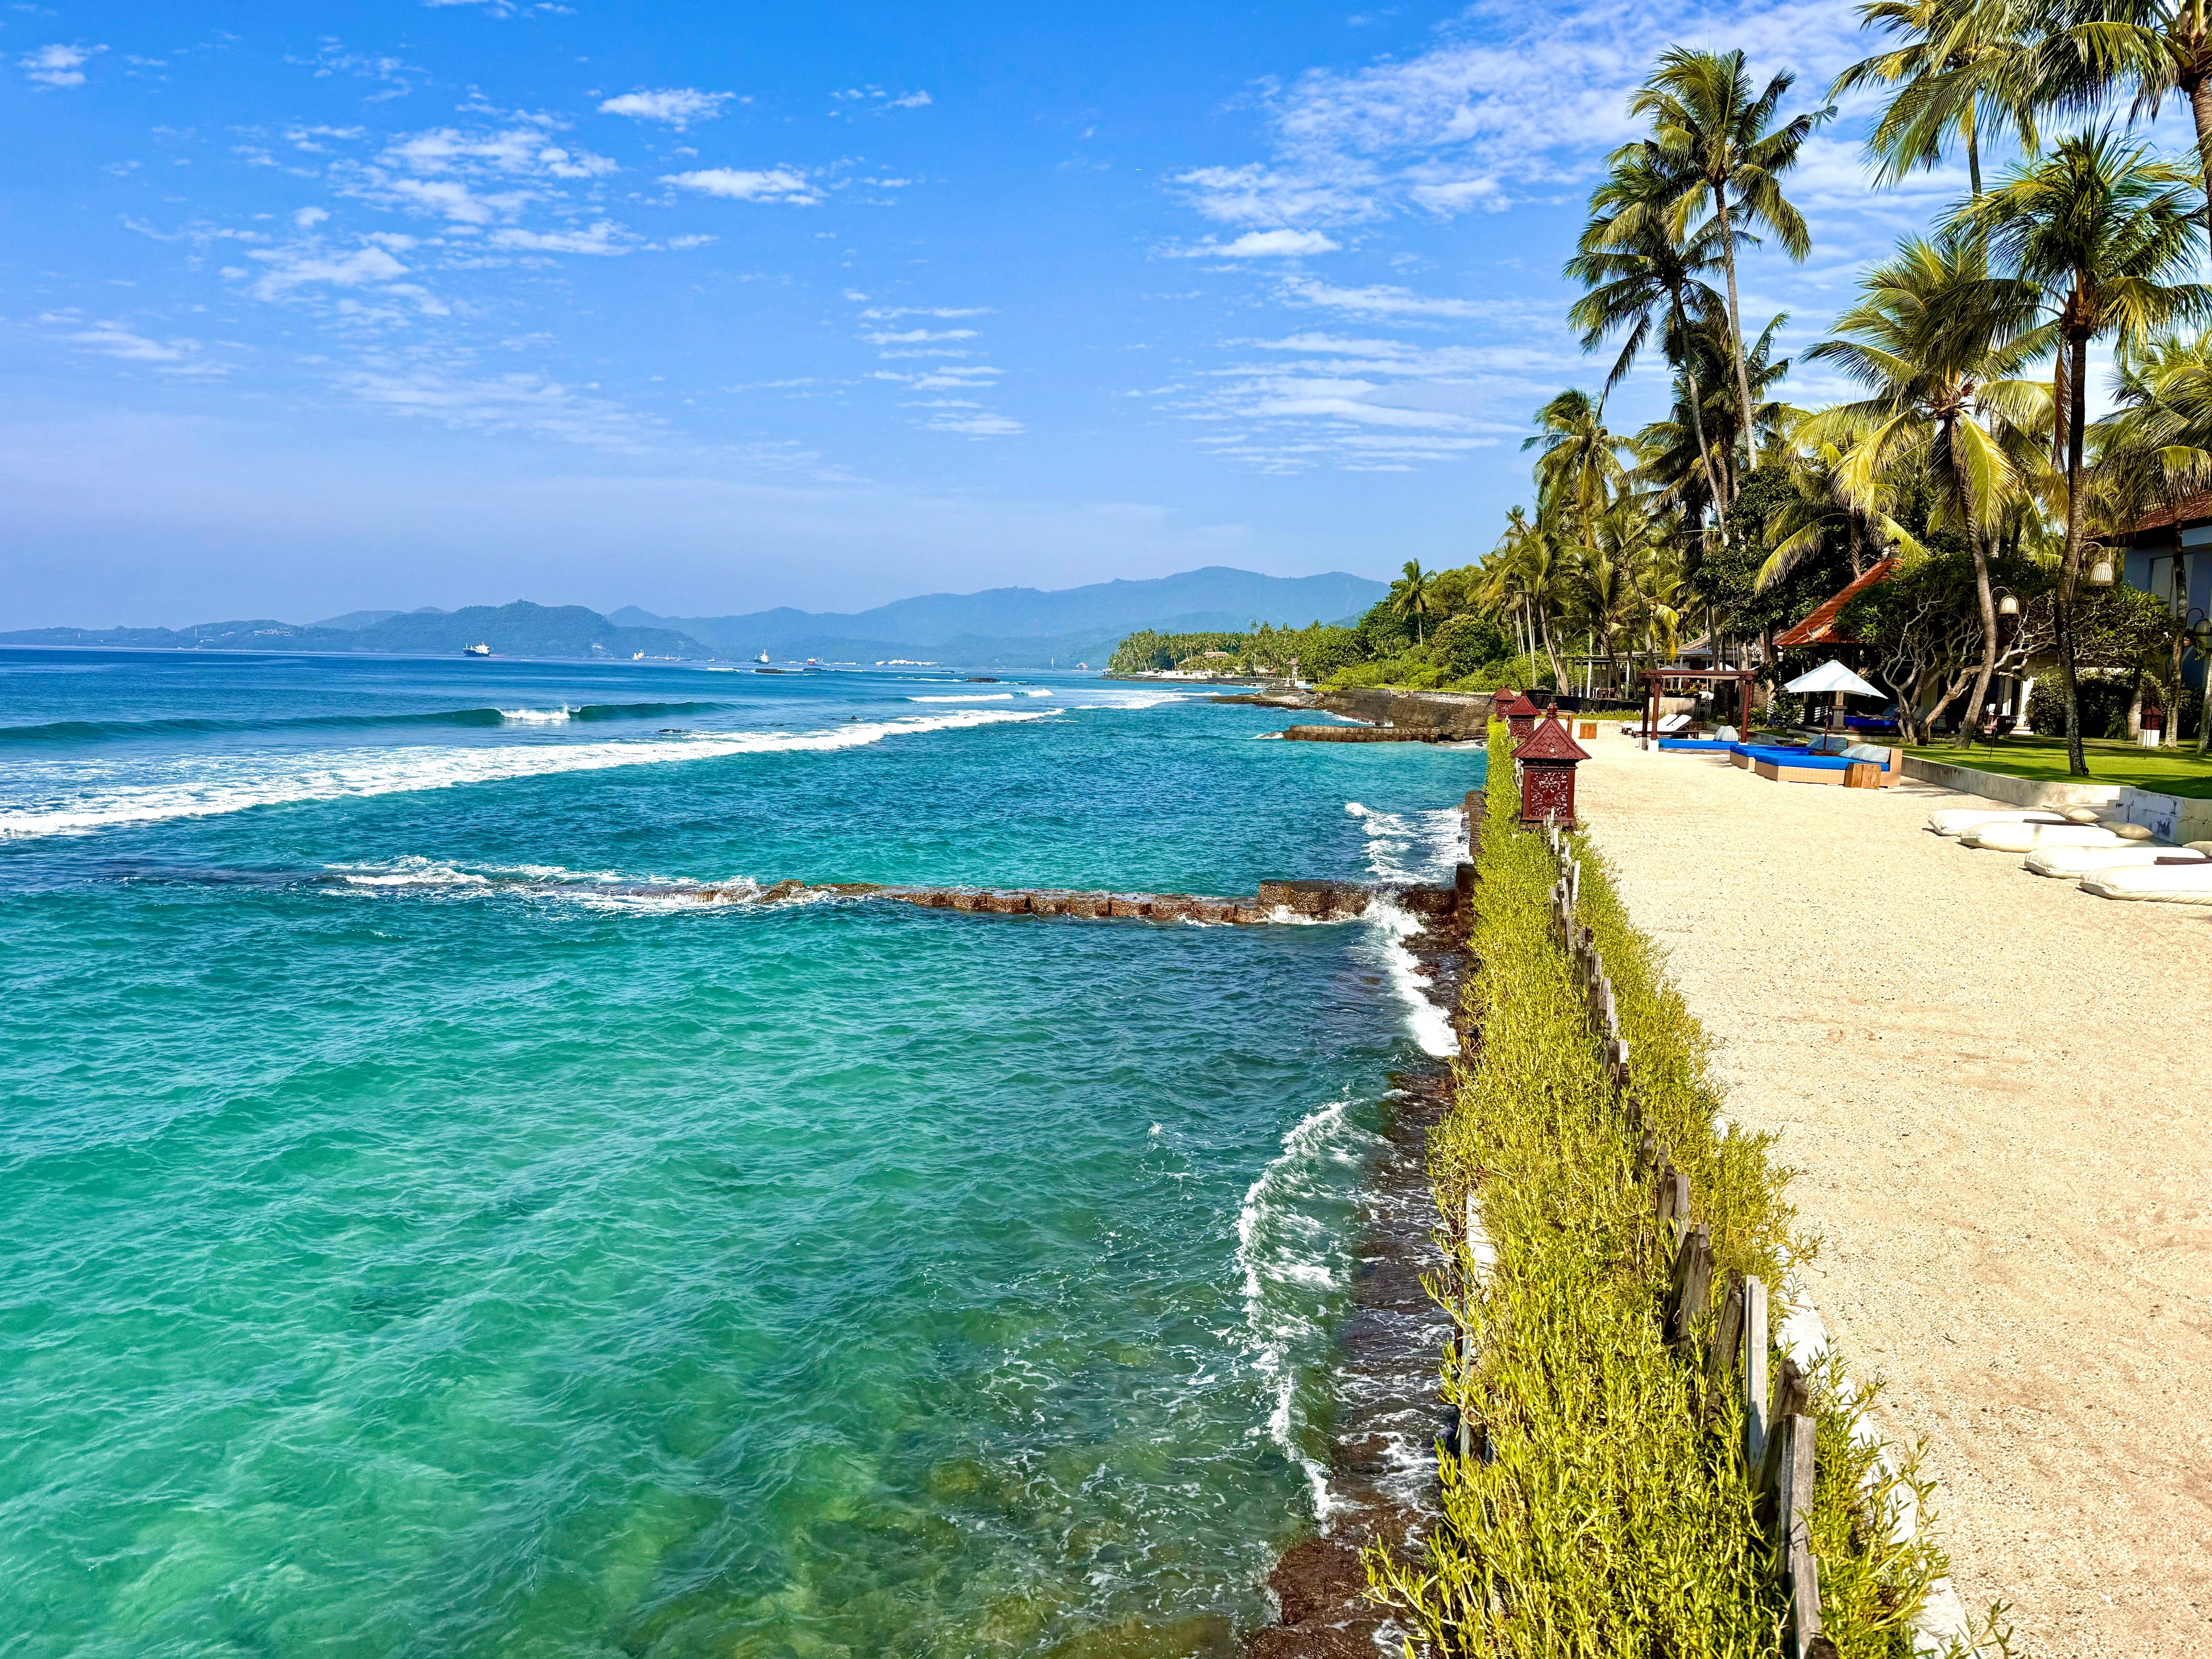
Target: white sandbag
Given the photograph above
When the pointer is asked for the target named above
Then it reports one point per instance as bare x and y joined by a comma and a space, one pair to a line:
2075, 862
1957, 820
2082, 815
2173, 883
2031, 837
2132, 831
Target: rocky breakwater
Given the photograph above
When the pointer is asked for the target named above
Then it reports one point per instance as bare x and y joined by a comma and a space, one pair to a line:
1388, 716
1277, 902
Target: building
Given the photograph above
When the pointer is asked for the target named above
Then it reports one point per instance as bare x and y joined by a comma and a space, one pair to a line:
2169, 554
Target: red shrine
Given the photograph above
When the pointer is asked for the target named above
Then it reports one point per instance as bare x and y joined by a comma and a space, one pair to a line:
1547, 764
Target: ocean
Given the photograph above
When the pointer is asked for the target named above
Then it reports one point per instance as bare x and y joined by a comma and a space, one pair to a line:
425, 1235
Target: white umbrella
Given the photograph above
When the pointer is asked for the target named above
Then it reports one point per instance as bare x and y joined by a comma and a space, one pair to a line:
1832, 676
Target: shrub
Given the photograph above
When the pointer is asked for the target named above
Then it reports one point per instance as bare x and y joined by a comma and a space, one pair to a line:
1467, 642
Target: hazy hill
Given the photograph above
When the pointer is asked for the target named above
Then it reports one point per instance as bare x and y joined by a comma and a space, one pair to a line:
520, 630
1025, 626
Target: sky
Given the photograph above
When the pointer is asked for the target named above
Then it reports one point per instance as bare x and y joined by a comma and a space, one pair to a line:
710, 309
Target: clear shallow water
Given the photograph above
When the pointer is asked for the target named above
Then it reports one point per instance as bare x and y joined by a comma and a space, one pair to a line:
422, 1244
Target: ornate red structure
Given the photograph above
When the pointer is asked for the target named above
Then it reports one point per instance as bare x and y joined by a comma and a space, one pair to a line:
1546, 765
1521, 716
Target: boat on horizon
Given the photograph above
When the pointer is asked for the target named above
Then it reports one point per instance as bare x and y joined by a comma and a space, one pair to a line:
476, 650
763, 657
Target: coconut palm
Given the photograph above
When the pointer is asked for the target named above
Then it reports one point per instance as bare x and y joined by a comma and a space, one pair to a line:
1720, 145
1410, 599
1579, 467
1642, 279
1939, 346
1824, 507
2102, 231
1968, 68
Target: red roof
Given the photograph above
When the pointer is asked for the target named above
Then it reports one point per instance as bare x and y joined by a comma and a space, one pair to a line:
1550, 742
1522, 708
1818, 626
2190, 509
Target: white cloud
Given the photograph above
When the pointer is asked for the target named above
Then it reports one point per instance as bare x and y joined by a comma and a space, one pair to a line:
175, 356
308, 217
678, 106
975, 426
1382, 300
57, 65
291, 269
887, 313
1260, 245
604, 237
454, 200
504, 403
916, 336
738, 184
912, 100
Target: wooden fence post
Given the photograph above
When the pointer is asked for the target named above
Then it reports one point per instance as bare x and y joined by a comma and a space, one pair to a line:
1754, 1375
1791, 1401
1727, 1331
1793, 1510
1692, 1287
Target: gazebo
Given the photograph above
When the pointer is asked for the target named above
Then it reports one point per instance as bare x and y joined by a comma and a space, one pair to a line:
1744, 678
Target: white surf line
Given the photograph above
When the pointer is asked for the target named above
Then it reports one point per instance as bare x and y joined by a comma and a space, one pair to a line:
213, 785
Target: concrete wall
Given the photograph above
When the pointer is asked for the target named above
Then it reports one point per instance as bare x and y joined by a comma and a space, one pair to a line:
2170, 817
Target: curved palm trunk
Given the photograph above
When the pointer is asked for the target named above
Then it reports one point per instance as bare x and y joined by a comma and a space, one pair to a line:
1735, 335
2069, 572
1697, 396
1987, 671
2197, 87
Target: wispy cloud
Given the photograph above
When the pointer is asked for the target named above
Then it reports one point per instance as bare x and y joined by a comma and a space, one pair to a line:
740, 184
287, 269
675, 106
604, 237
521, 402
1258, 245
57, 65
1383, 299
174, 355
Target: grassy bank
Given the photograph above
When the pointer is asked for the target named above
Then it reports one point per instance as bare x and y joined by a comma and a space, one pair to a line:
2164, 771
1606, 1510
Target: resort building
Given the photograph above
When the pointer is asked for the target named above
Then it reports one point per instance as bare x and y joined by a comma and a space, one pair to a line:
2169, 554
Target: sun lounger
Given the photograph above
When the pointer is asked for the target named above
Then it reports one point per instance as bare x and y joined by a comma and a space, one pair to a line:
2034, 837
1957, 820
1669, 725
2075, 862
2172, 884
1786, 764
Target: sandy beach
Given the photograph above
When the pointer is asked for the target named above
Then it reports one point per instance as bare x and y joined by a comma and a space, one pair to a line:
1996, 1089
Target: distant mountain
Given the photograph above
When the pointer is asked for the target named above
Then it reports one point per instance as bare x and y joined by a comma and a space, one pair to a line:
366, 618
520, 630
1026, 627
1003, 627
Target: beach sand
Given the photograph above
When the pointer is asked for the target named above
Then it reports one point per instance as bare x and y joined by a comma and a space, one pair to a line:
1997, 1089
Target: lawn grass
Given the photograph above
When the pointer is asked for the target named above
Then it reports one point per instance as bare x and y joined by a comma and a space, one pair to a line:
2163, 770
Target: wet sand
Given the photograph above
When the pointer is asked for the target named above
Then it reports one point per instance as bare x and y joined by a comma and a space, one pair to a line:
1998, 1091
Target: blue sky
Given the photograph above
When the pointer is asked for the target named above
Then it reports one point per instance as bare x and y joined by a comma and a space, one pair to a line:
715, 308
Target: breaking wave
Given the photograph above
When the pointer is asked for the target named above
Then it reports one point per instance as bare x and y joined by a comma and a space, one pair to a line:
211, 785
96, 731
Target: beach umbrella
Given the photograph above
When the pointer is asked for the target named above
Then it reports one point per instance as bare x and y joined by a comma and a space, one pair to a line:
1832, 676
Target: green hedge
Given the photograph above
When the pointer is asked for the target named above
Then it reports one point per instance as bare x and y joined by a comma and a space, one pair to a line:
1609, 1513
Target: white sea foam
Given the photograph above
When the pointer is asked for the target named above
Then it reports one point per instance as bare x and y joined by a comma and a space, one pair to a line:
972, 696
1410, 847
534, 716
1138, 699
1431, 1026
1286, 1256
1036, 694
201, 785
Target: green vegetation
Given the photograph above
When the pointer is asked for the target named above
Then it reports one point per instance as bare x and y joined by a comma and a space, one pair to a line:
2164, 771
1613, 1514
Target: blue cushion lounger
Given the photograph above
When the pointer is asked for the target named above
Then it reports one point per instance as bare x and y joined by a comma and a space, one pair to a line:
1787, 764
1719, 745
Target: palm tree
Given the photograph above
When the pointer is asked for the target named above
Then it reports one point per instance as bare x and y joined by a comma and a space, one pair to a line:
1824, 507
1967, 68
2101, 231
1580, 466
1719, 144
1939, 346
1409, 597
2146, 48
1643, 278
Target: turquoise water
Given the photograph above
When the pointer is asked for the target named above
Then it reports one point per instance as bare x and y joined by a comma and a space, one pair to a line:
425, 1239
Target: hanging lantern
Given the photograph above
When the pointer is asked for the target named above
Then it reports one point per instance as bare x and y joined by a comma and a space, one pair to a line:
2100, 573
2009, 606
1547, 764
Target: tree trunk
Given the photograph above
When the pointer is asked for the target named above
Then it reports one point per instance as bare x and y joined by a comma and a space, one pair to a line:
2069, 682
1988, 604
2135, 705
1735, 334
1973, 156
2062, 405
1696, 416
2197, 86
